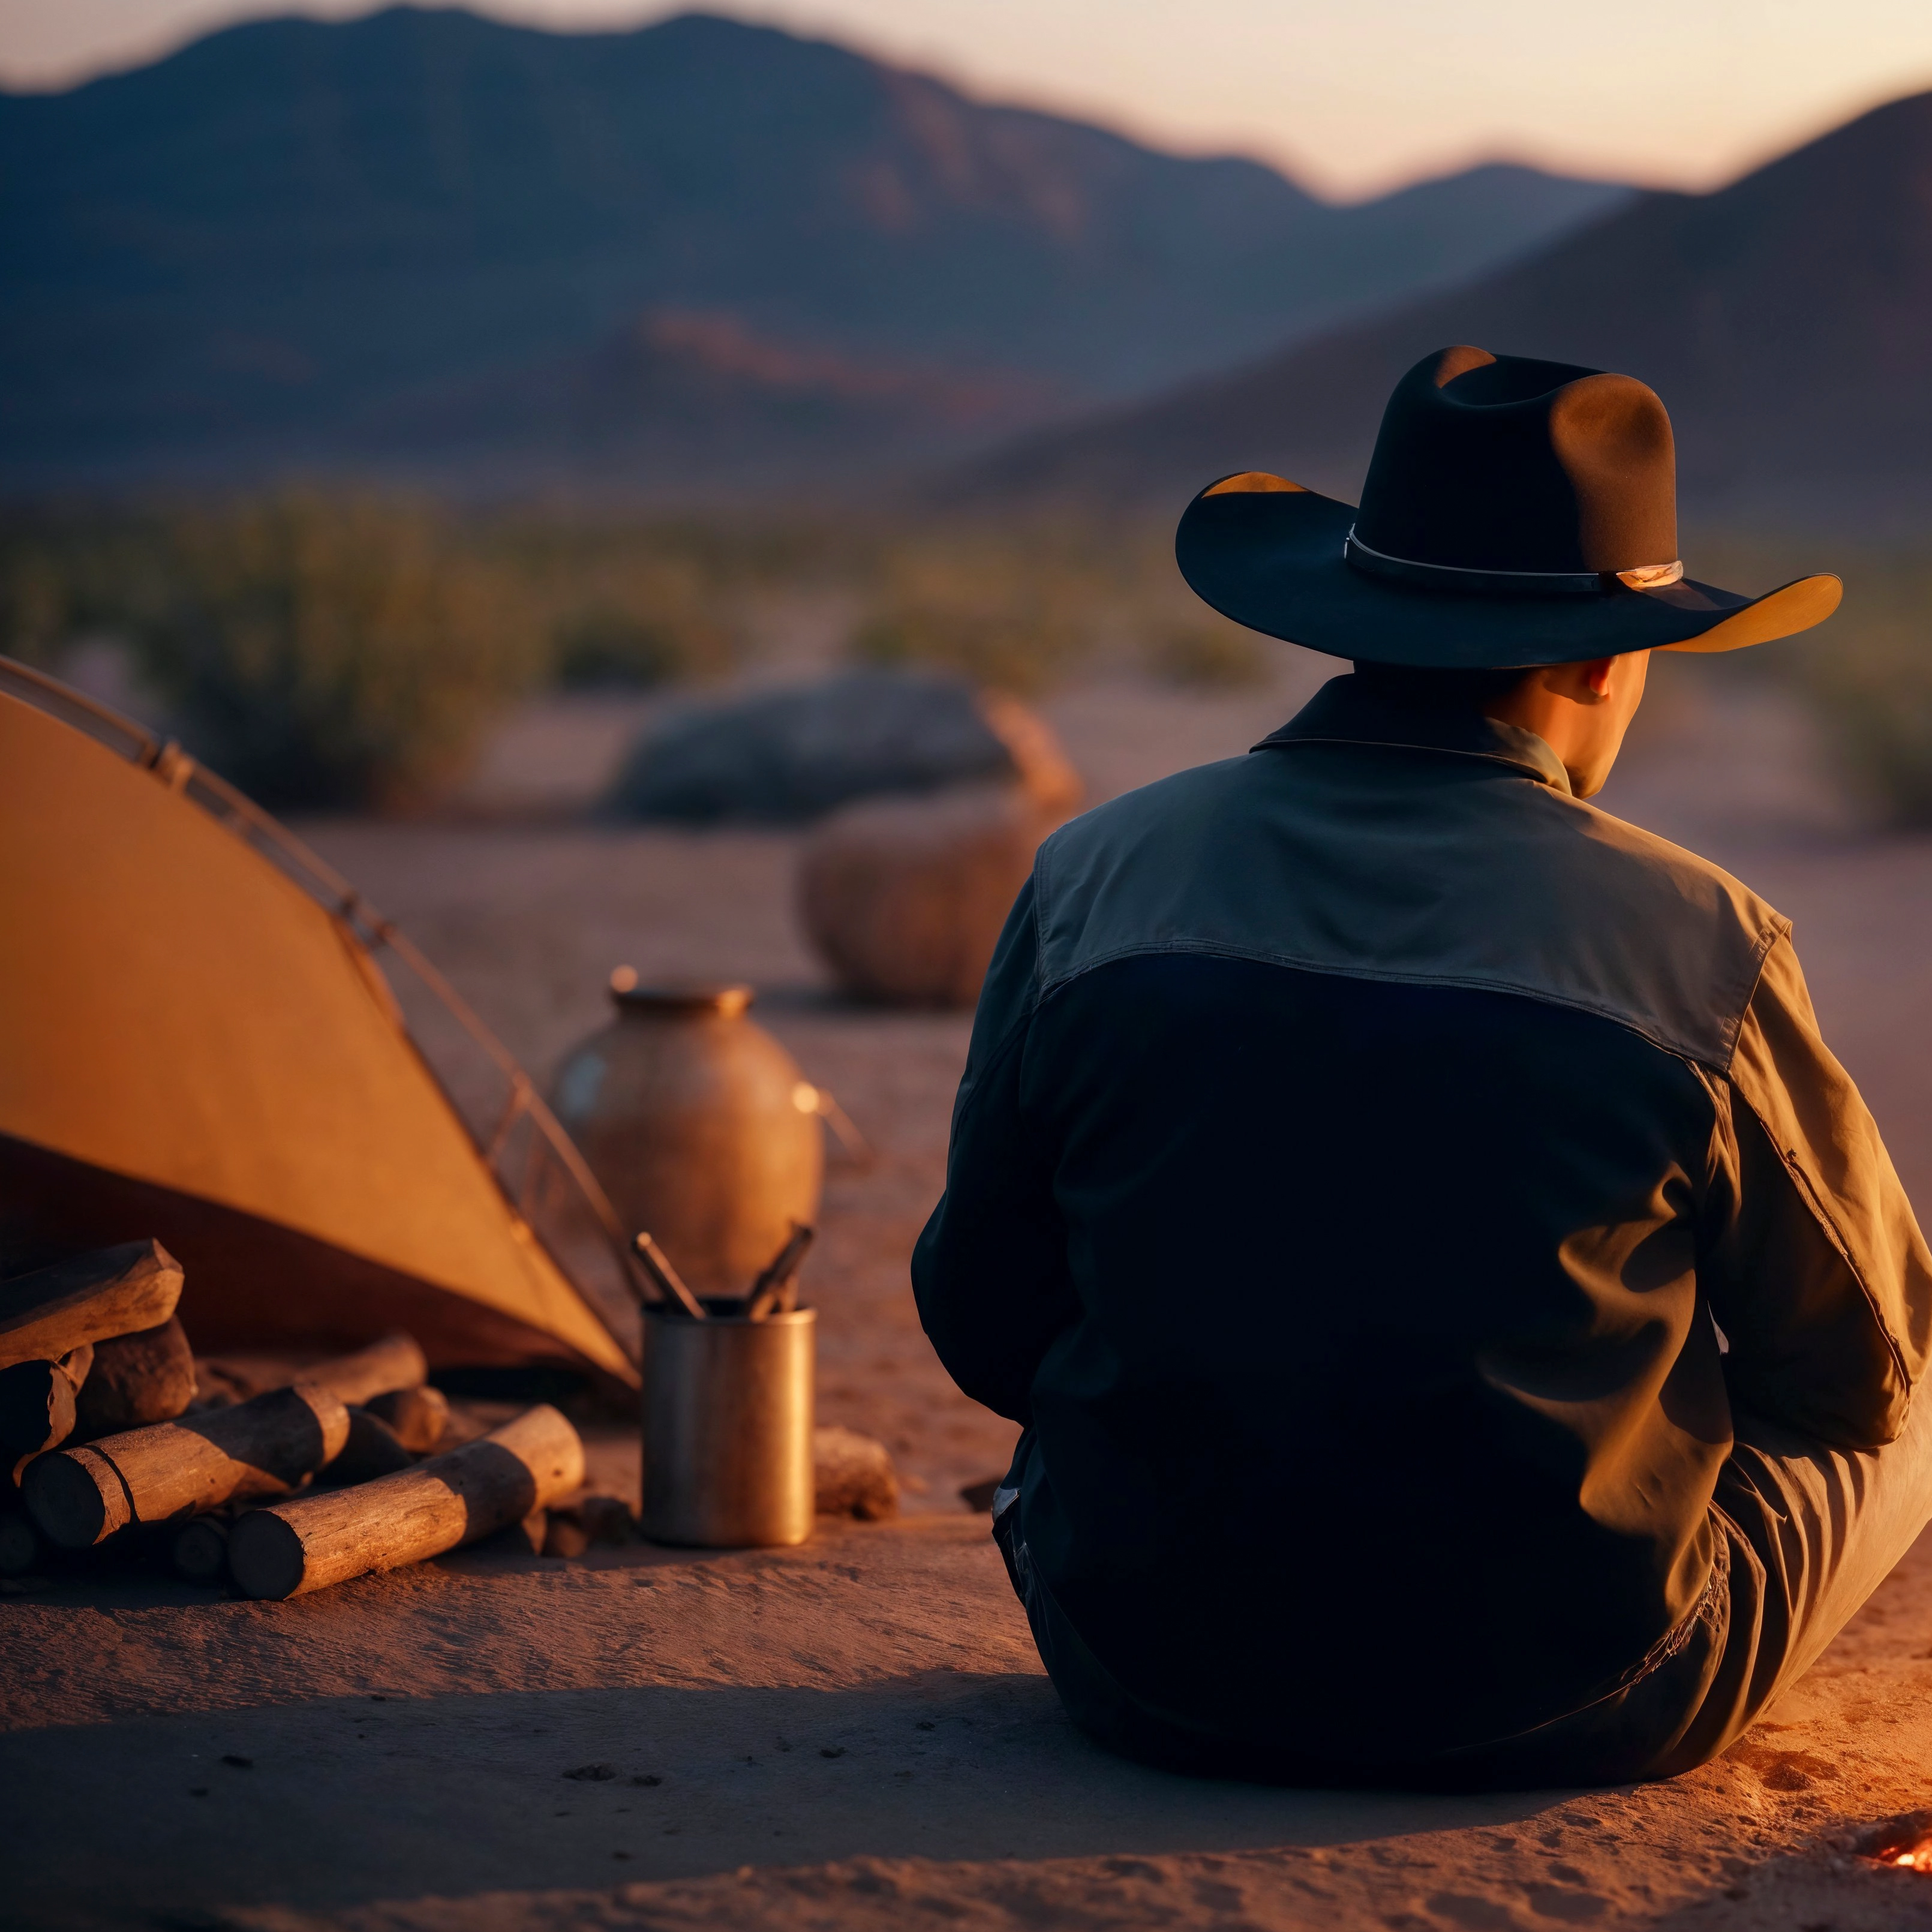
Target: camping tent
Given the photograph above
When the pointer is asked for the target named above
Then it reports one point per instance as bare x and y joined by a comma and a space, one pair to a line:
197, 1043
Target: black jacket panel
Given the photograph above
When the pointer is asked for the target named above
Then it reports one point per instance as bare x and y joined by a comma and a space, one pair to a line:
1356, 1143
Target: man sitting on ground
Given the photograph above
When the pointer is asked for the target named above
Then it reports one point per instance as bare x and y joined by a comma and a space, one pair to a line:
1464, 1322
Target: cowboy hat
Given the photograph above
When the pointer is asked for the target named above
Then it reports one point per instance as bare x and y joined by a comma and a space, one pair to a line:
1517, 513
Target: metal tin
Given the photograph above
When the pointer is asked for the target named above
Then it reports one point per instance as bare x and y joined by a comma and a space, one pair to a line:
728, 1413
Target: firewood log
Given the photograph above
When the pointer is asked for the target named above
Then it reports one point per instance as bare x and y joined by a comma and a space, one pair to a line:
262, 1447
373, 1450
289, 1548
356, 1378
76, 1498
418, 1416
136, 1379
199, 1551
21, 1548
564, 1535
395, 1362
460, 1429
111, 1292
574, 1526
38, 1402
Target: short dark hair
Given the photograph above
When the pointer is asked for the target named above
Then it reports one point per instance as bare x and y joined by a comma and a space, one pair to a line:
1436, 689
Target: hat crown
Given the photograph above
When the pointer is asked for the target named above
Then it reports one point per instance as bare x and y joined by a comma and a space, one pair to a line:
1505, 462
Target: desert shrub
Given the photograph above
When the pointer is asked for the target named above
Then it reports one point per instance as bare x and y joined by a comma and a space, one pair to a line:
642, 624
1009, 613
1868, 675
1010, 650
333, 650
1865, 675
630, 599
600, 643
1208, 657
327, 648
69, 571
36, 615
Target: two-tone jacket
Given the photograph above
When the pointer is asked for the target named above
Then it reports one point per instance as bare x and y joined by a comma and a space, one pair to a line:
1367, 1152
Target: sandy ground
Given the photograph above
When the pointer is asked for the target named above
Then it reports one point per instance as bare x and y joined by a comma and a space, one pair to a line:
857, 1733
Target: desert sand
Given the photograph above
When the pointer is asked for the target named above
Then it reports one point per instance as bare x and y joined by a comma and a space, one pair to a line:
857, 1733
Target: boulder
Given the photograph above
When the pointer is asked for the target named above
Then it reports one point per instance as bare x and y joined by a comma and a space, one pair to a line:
853, 1475
789, 755
904, 898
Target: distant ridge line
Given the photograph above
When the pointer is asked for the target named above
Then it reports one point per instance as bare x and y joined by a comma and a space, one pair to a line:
298, 243
1784, 319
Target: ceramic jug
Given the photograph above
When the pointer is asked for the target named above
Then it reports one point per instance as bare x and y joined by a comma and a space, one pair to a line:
699, 1125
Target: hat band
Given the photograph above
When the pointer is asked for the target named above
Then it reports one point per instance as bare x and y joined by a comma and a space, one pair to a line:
1508, 583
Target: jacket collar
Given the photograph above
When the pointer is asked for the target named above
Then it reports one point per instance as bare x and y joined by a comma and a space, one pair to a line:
1343, 711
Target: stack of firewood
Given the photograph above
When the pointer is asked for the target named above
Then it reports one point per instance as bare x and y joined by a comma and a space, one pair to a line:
355, 1465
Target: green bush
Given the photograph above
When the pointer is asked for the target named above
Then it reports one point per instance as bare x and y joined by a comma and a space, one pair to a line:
331, 650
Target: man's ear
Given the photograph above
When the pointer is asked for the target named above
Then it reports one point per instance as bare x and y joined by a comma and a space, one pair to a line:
1595, 678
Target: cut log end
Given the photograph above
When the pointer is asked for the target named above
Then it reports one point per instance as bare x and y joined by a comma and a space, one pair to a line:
36, 1408
199, 1551
75, 1498
19, 1544
265, 1556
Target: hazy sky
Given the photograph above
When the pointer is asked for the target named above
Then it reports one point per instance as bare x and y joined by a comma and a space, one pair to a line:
1352, 95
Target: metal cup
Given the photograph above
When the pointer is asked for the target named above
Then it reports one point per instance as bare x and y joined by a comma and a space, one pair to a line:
727, 1429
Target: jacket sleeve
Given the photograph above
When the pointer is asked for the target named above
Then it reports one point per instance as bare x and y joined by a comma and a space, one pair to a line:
1817, 1274
990, 1272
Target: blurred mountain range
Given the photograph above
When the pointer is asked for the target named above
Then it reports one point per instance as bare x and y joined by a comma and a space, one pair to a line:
699, 252
1786, 320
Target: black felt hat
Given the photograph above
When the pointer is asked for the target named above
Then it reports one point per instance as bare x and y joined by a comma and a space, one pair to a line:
1516, 513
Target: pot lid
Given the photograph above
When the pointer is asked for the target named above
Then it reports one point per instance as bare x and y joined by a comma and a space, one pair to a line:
727, 1001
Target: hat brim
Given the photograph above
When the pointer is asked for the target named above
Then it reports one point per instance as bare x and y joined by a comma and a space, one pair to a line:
1267, 553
